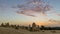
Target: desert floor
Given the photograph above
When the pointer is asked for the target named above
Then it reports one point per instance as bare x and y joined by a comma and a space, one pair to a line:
4, 30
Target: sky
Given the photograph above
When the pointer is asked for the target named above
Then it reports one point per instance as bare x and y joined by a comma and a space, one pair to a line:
25, 12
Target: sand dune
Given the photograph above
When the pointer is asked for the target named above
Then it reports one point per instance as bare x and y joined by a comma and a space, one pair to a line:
21, 31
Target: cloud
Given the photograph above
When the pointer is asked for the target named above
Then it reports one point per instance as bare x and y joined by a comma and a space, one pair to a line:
30, 15
58, 14
22, 12
53, 21
34, 6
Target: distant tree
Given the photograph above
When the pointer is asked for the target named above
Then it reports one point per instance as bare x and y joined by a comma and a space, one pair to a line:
29, 27
7, 24
38, 28
23, 27
12, 26
33, 26
50, 28
26, 27
2, 25
16, 27
42, 27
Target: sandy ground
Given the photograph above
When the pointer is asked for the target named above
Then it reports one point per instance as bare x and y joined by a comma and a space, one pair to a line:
21, 31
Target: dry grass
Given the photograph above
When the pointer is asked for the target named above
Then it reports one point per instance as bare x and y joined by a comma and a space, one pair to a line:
21, 31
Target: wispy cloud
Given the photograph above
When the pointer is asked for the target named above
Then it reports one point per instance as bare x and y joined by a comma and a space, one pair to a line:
22, 12
53, 21
58, 14
34, 6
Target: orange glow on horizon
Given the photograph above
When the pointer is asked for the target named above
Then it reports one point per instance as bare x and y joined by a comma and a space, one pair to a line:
41, 23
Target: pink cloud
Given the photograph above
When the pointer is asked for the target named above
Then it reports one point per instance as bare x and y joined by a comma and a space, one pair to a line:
57, 14
37, 7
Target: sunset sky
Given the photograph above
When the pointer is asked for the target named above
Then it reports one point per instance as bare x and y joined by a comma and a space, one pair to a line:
25, 12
